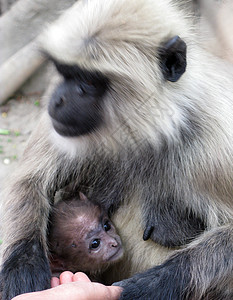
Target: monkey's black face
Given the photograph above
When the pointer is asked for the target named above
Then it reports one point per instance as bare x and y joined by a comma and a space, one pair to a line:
76, 105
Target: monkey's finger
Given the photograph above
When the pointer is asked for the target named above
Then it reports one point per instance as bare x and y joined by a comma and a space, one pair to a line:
79, 276
148, 231
66, 277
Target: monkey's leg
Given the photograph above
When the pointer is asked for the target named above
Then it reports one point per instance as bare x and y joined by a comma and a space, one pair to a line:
201, 271
25, 211
25, 265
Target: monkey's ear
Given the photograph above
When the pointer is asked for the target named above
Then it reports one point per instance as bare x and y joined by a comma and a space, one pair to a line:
82, 197
173, 58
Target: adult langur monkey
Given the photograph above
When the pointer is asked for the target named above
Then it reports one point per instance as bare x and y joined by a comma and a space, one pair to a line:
144, 127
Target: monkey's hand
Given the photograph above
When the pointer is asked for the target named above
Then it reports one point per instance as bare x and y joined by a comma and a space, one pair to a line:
167, 281
167, 237
172, 228
25, 270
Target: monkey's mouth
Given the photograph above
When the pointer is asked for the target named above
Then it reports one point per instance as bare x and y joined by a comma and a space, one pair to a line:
117, 255
70, 130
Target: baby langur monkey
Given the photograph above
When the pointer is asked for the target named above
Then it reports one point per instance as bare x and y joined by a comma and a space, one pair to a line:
82, 238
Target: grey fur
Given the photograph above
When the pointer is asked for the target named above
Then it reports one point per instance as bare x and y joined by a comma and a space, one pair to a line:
165, 152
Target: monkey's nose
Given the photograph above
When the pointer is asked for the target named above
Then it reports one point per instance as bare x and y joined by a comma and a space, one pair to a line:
114, 244
60, 101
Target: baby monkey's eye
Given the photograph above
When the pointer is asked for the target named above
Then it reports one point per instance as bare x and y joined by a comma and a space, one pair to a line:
107, 226
95, 244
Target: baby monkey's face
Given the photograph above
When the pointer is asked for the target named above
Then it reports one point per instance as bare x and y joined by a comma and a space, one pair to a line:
102, 242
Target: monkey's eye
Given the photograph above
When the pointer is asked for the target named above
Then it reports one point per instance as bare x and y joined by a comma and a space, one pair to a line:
95, 244
88, 87
107, 226
73, 245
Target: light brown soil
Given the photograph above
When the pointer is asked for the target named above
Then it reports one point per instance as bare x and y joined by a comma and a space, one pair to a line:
17, 120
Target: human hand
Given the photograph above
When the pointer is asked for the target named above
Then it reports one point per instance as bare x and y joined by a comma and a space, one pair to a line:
72, 287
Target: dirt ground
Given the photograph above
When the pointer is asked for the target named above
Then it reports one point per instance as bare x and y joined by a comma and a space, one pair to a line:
17, 119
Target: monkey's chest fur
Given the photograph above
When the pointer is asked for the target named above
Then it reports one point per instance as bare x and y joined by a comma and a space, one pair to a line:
145, 200
122, 185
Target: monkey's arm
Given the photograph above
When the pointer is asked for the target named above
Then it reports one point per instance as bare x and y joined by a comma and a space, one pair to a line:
26, 207
174, 213
201, 271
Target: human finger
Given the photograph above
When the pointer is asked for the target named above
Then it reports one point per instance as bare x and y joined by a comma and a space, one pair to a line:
79, 276
55, 281
66, 277
105, 292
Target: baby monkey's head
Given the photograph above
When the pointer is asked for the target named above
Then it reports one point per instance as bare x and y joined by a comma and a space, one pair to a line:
82, 237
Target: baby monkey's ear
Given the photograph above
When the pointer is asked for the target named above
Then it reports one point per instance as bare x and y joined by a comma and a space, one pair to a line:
82, 197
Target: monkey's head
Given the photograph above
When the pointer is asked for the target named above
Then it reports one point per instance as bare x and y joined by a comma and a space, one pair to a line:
113, 59
82, 238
